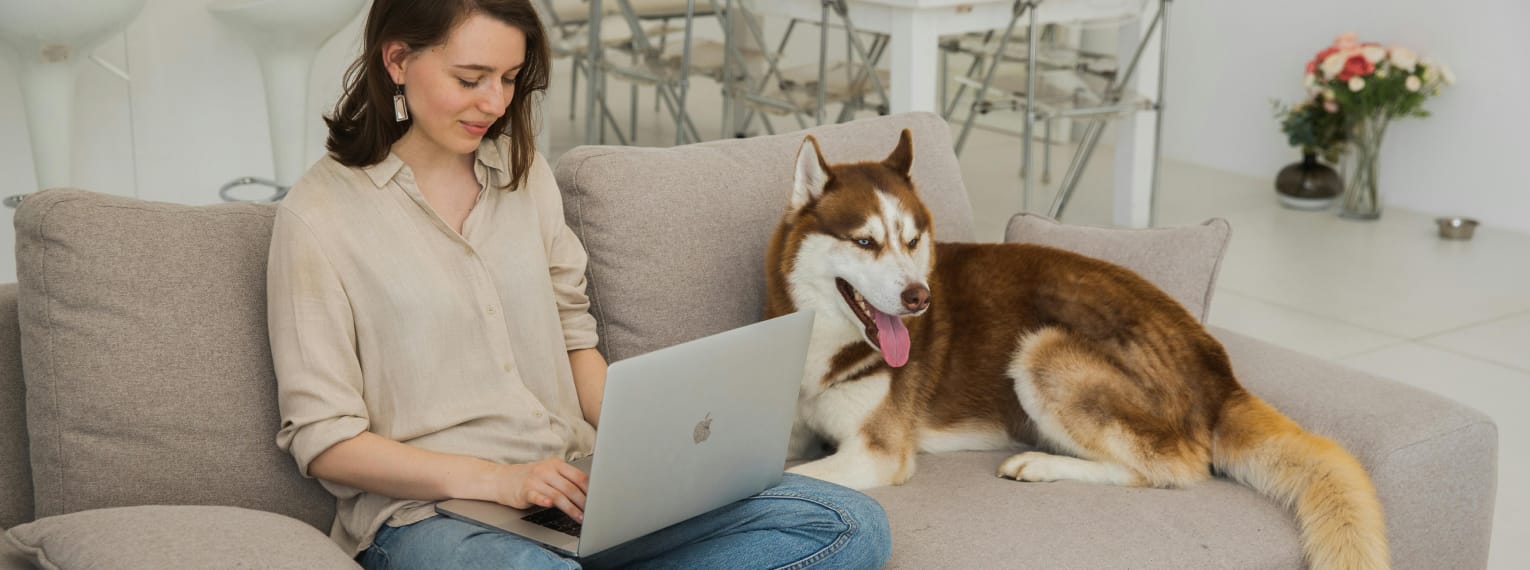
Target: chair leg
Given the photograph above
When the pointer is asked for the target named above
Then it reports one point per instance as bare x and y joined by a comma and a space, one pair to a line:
1030, 111
860, 50
1097, 126
573, 89
977, 62
823, 62
1046, 152
633, 91
1158, 104
961, 140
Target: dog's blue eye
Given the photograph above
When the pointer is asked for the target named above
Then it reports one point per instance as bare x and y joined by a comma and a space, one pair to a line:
864, 242
913, 243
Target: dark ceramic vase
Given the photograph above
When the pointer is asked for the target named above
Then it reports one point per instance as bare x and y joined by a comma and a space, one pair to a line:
1308, 185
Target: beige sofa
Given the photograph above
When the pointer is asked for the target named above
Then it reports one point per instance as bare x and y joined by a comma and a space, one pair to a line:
137, 407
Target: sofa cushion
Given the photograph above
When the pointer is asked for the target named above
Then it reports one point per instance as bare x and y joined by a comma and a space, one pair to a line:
1422, 451
148, 368
157, 537
954, 513
1183, 261
677, 236
15, 464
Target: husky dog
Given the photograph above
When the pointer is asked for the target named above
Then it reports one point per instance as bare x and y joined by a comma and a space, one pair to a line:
926, 346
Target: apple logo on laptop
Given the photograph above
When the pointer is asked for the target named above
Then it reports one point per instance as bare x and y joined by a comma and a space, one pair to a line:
703, 429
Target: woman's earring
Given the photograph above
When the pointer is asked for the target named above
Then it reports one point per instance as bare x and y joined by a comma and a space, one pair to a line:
400, 111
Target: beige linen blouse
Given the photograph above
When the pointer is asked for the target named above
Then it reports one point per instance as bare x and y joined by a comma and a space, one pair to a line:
385, 319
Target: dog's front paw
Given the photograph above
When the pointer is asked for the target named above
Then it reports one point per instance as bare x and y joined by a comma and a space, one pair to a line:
1030, 466
838, 470
821, 470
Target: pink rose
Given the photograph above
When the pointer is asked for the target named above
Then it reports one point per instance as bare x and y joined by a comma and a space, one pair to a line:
1347, 41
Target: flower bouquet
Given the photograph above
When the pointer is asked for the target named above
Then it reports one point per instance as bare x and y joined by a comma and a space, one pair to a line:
1369, 86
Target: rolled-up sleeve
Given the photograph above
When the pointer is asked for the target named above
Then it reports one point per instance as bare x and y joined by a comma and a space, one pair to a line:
566, 260
313, 340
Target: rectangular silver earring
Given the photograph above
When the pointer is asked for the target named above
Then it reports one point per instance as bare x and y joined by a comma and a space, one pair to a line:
400, 110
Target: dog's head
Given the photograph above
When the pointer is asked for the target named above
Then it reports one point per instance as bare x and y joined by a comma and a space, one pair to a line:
860, 246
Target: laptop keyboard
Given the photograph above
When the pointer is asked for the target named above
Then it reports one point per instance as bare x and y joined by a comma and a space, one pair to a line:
556, 520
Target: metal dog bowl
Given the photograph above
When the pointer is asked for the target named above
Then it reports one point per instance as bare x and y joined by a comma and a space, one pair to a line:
1456, 228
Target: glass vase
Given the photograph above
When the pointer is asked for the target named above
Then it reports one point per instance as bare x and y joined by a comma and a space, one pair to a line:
1362, 196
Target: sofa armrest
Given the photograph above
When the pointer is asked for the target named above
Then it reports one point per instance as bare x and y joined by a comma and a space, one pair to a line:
1434, 461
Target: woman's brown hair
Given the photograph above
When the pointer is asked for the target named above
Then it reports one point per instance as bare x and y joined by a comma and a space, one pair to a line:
362, 128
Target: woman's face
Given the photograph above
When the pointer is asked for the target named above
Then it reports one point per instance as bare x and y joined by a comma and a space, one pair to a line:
456, 90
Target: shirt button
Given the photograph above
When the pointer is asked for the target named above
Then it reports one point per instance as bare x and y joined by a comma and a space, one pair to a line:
538, 415
509, 368
490, 308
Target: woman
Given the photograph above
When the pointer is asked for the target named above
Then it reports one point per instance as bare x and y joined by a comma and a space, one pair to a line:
430, 328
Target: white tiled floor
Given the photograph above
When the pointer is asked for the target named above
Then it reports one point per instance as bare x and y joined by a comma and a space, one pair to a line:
1387, 297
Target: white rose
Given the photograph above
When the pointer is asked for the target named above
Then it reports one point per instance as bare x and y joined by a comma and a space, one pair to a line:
1373, 54
1381, 73
1413, 83
1431, 72
1333, 64
1403, 58
1356, 83
1328, 94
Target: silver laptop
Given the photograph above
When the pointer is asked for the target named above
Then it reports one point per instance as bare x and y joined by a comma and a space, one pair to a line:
683, 430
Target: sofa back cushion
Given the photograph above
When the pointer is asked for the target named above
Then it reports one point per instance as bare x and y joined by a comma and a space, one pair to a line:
676, 236
1183, 261
148, 368
15, 467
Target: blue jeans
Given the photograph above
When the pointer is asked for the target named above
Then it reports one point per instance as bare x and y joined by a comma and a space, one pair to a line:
801, 523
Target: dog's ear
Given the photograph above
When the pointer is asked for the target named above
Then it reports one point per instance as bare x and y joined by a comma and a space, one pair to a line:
902, 158
811, 174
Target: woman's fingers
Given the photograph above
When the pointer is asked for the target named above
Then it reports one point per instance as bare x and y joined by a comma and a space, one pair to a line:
569, 509
537, 499
561, 501
575, 476
568, 488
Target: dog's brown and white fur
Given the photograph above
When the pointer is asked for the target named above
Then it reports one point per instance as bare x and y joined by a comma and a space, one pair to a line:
925, 346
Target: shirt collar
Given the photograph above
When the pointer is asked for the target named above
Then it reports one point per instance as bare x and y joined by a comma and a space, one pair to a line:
384, 171
493, 154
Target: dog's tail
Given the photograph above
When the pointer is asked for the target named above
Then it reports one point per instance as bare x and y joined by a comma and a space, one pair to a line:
1336, 506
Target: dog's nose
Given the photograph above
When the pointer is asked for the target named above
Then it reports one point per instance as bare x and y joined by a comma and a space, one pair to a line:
916, 298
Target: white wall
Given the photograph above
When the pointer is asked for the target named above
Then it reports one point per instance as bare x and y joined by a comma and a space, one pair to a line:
194, 116
192, 119
1229, 58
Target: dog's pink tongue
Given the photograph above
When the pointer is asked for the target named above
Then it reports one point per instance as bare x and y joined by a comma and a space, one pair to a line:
893, 337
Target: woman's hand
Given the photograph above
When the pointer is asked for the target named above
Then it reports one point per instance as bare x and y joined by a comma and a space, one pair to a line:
550, 482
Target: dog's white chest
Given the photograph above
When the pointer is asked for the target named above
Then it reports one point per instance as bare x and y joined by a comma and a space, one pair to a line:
838, 412
829, 338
